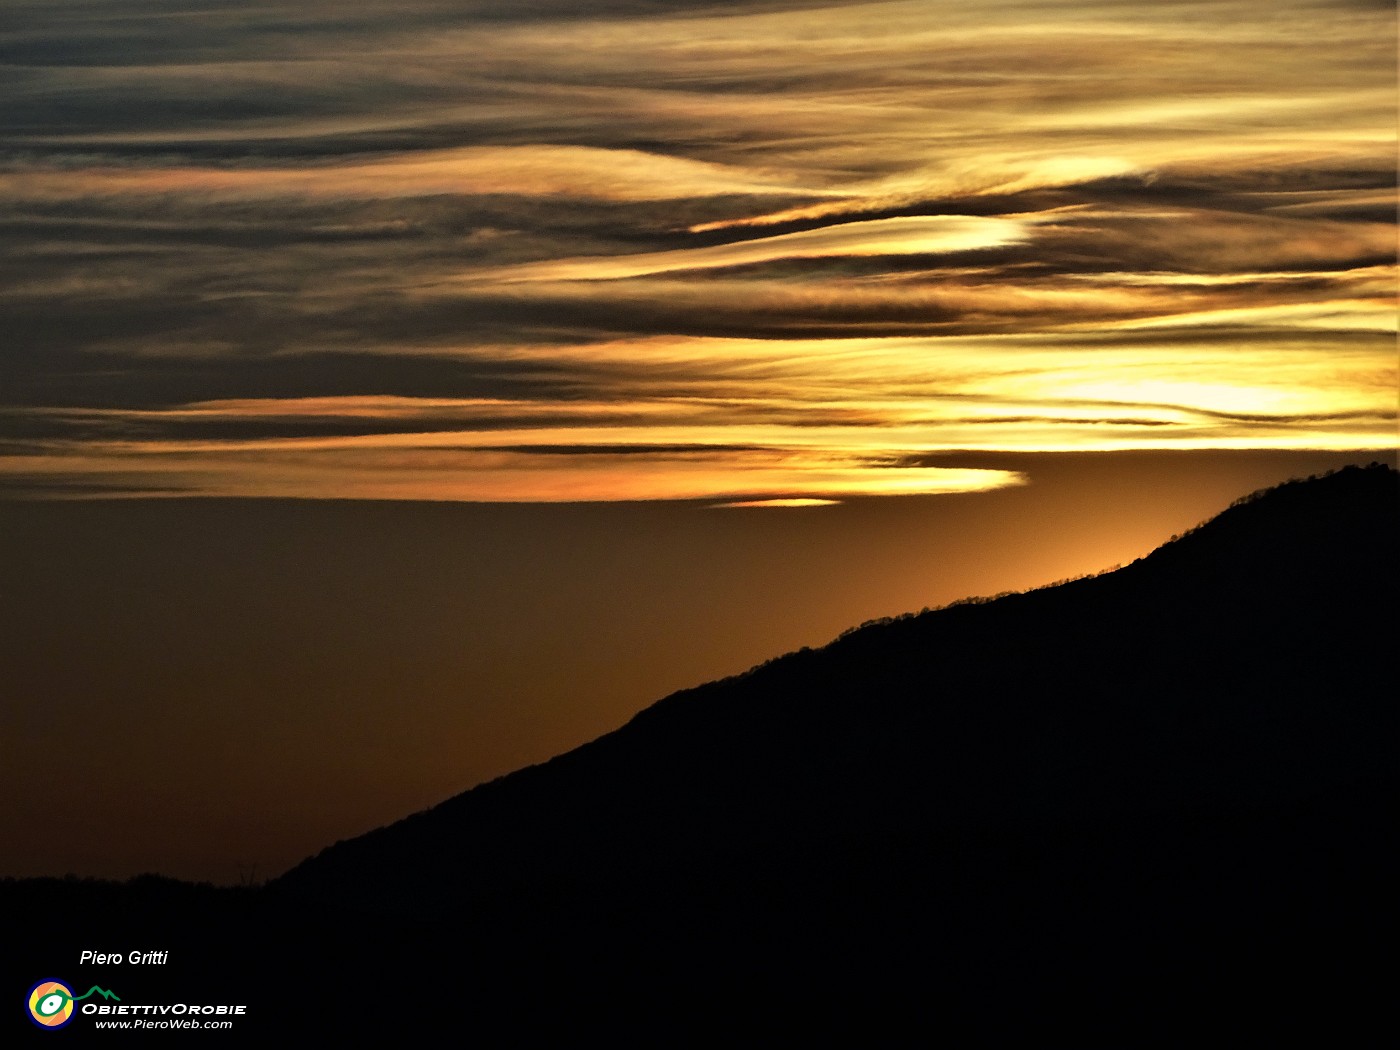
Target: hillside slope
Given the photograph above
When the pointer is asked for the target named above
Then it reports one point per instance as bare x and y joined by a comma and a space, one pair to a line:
1122, 811
1244, 668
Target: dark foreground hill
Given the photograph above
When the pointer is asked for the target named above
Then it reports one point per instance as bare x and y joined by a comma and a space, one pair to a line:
1124, 807
1244, 666
1180, 768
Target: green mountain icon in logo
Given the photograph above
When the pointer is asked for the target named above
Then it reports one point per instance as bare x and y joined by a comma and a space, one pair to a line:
100, 991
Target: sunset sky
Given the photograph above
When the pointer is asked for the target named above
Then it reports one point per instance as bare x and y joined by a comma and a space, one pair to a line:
686, 285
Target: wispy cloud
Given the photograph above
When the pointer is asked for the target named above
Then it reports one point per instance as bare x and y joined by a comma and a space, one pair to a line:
908, 235
743, 252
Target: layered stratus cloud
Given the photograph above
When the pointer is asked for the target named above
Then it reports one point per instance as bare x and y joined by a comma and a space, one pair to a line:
751, 253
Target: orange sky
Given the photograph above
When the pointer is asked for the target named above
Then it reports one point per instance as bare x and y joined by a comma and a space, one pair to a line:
392, 394
197, 686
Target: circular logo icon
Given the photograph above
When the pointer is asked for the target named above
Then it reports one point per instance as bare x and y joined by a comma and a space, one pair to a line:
51, 1004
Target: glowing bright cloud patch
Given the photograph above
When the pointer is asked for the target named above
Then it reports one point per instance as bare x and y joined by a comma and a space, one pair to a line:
436, 470
779, 503
918, 235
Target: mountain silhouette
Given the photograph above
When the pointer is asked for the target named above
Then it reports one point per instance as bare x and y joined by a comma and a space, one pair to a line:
1151, 805
1239, 672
